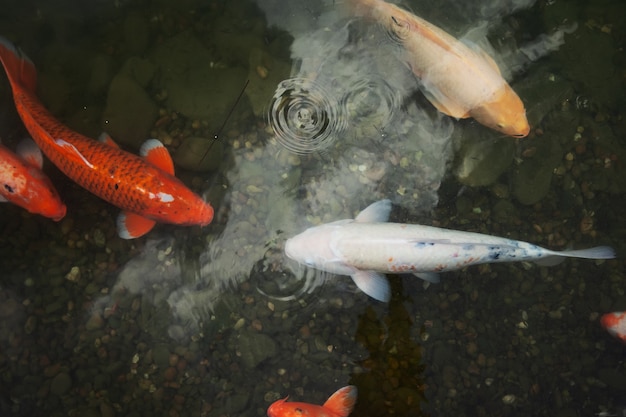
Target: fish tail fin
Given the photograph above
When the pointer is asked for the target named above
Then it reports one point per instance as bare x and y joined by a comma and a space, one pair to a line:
20, 69
342, 401
598, 252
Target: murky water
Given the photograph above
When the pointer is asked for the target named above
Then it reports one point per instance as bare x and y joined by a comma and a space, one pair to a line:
216, 321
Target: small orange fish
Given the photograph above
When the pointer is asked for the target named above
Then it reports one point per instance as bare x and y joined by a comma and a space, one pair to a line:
23, 183
615, 324
340, 404
144, 188
459, 80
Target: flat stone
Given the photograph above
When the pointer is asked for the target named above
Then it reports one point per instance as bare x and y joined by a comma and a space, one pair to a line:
255, 348
129, 113
60, 384
196, 84
199, 154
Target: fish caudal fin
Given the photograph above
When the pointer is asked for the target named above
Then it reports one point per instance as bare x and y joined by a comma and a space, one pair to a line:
155, 153
599, 252
342, 401
20, 69
131, 225
373, 284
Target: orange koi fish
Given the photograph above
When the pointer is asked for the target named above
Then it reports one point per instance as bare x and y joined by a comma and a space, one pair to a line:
340, 404
144, 188
459, 80
615, 324
23, 183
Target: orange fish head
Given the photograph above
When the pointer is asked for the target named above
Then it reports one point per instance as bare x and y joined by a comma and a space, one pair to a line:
203, 214
49, 206
505, 114
42, 198
55, 211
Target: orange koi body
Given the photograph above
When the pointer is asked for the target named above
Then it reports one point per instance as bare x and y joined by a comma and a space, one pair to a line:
144, 188
24, 184
458, 80
340, 404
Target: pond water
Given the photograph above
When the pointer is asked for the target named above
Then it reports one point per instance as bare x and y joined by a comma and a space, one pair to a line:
284, 115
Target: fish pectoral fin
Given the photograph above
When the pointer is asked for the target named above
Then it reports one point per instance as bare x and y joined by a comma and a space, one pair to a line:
445, 105
377, 212
155, 153
373, 284
431, 277
29, 151
342, 401
71, 152
106, 139
131, 225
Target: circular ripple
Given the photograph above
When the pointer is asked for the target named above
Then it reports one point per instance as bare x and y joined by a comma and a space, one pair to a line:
398, 30
304, 116
372, 100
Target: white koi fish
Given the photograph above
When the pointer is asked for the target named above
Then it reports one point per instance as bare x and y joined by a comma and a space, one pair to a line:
459, 80
368, 247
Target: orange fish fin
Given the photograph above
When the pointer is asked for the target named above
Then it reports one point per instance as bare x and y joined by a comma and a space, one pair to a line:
342, 401
131, 225
449, 108
20, 69
71, 152
155, 153
107, 140
29, 151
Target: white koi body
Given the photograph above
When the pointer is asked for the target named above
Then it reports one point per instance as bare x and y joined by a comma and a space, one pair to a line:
368, 246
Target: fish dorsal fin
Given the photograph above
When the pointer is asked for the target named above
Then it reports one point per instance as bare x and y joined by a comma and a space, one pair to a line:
377, 212
373, 284
155, 153
29, 151
131, 225
106, 139
342, 401
71, 152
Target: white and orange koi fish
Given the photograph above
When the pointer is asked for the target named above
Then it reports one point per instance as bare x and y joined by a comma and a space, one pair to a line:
615, 324
459, 80
368, 247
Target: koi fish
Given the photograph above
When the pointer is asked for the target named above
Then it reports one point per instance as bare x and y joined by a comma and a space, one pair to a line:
367, 247
459, 80
615, 324
144, 188
340, 404
23, 183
